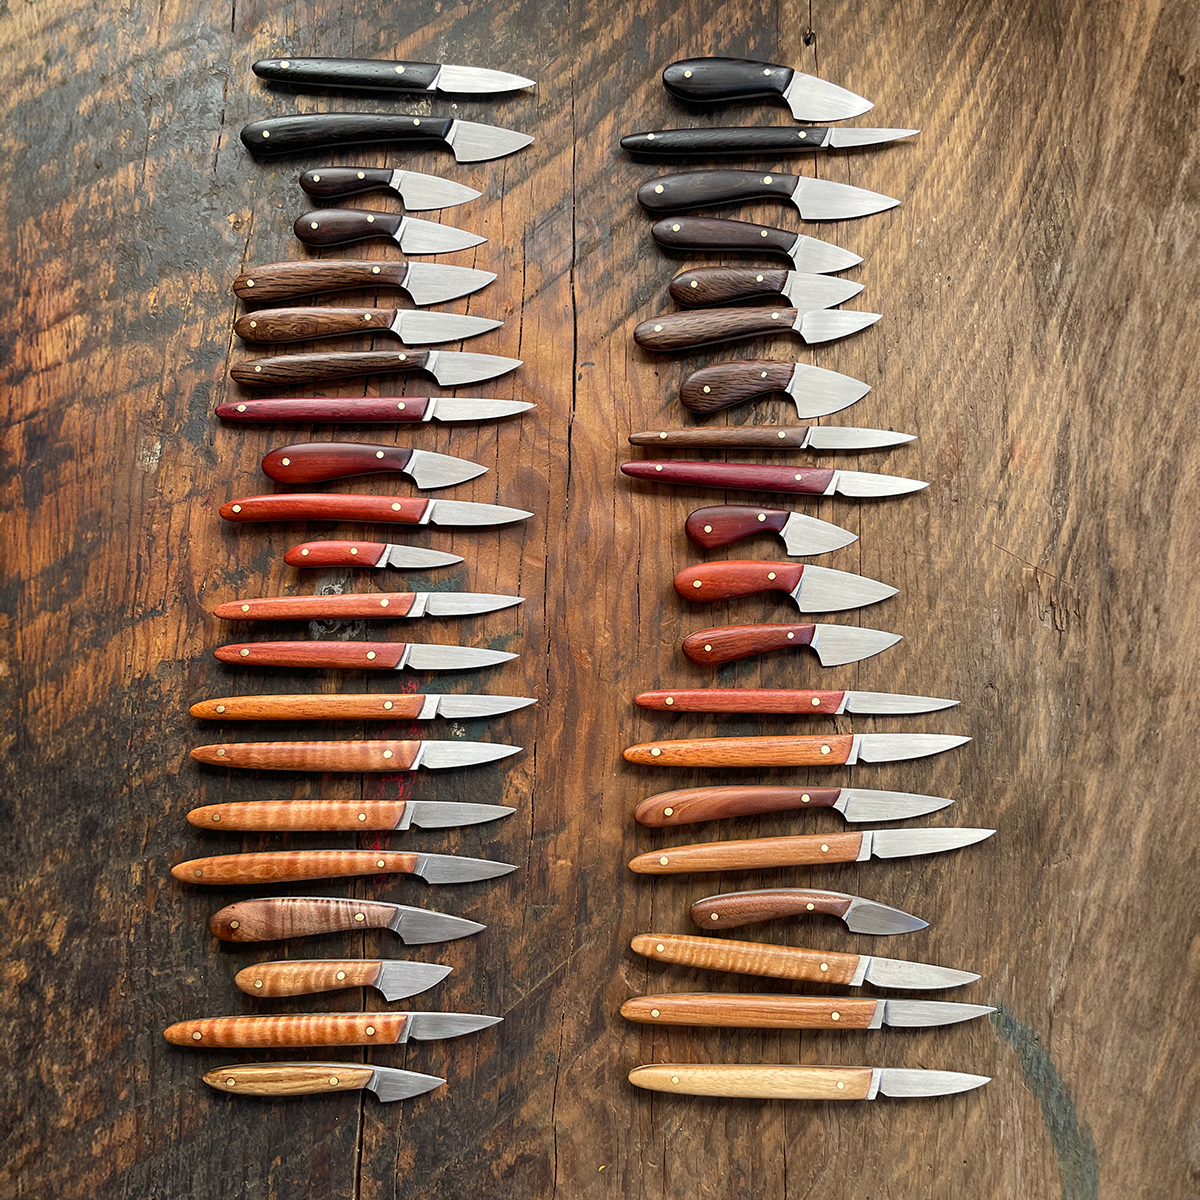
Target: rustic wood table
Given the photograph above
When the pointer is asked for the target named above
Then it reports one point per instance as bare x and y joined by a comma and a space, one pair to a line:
1039, 335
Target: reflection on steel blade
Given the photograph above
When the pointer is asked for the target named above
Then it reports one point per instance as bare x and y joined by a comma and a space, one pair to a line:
418, 926
836, 645
391, 1083
427, 328
432, 657
430, 470
803, 534
842, 437
429, 1026
906, 843
897, 973
478, 80
453, 367
845, 139
438, 756
888, 703
807, 291
822, 589
435, 283
903, 1082
864, 804
479, 143
467, 512
451, 814
428, 237
465, 604
920, 1014
825, 200
812, 99
895, 747
399, 979
822, 258
818, 392
452, 868
828, 324
864, 483
866, 916
422, 192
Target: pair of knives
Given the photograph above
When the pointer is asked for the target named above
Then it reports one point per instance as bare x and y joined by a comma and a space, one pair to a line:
451, 368
425, 283
834, 750
796, 481
835, 645
374, 410
288, 866
356, 756
344, 706
325, 1029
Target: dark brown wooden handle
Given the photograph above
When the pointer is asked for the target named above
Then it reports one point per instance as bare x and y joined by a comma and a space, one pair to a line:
712, 80
780, 751
308, 368
716, 233
690, 805
327, 506
372, 706
292, 1029
797, 481
289, 1079
338, 656
306, 976
379, 606
331, 182
748, 854
310, 756
725, 384
286, 866
703, 189
304, 324
726, 643
747, 958
709, 326
705, 287
318, 462
737, 577
321, 410
336, 226
725, 1010
291, 280
766, 904
723, 524
290, 816
335, 554
278, 917
757, 437
793, 701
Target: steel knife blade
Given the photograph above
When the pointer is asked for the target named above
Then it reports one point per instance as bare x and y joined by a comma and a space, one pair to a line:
327, 816
799, 481
803, 750
412, 327
731, 909
277, 866
815, 391
355, 656
383, 606
711, 326
816, 199
312, 1078
349, 706
397, 979
808, 254
795, 702
373, 410
335, 506
319, 462
451, 368
724, 1010
724, 524
325, 1029
756, 139
357, 756
709, 287
419, 192
386, 75
835, 645
368, 554
426, 283
814, 589
337, 226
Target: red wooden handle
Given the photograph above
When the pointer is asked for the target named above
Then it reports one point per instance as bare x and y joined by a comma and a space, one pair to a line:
316, 462
335, 554
304, 324
738, 577
292, 1029
303, 410
748, 854
766, 904
311, 756
721, 524
380, 606
338, 656
690, 805
799, 481
726, 643
748, 700
326, 506
785, 751
287, 866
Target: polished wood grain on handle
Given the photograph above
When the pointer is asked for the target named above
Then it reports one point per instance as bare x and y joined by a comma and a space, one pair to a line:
335, 554
747, 958
284, 1031
326, 506
737, 577
286, 866
337, 656
336, 226
318, 462
710, 326
727, 643
368, 706
755, 1081
780, 751
310, 756
331, 182
310, 368
289, 1079
706, 287
690, 805
290, 280
290, 816
799, 481
722, 524
717, 233
746, 437
304, 410
797, 702
725, 384
750, 854
304, 324
305, 976
729, 1010
349, 606
277, 917
732, 909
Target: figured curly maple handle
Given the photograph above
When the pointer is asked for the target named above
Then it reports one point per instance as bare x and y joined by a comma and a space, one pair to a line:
290, 816
747, 958
284, 1031
296, 916
371, 706
311, 756
287, 866
305, 976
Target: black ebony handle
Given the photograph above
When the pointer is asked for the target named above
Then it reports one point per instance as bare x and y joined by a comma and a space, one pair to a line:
370, 73
701, 189
317, 131
748, 140
334, 226
717, 233
330, 182
710, 80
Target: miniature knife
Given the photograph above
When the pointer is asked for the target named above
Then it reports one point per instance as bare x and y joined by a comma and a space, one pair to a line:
808, 254
711, 326
345, 706
397, 979
426, 283
834, 644
723, 524
289, 866
313, 1078
814, 589
791, 962
334, 131
368, 554
337, 226
365, 74
787, 700
318, 462
805, 750
357, 656
377, 605
717, 80
334, 506
756, 139
773, 437
325, 1029
725, 1010
689, 805
709, 287
328, 816
419, 193
798, 481
816, 199
782, 1081
802, 850
815, 391
450, 368
768, 904
412, 327
373, 410
362, 756
276, 917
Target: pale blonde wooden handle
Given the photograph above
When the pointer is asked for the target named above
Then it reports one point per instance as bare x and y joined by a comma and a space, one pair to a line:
755, 1081
747, 958
289, 1079
725, 1010
750, 854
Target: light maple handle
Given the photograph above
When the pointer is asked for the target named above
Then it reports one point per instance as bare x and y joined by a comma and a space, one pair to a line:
289, 1079
690, 805
293, 1029
783, 751
761, 1081
747, 958
371, 706
291, 816
310, 756
284, 866
724, 1010
306, 976
751, 854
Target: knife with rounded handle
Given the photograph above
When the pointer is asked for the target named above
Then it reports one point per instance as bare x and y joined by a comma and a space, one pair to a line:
426, 283
732, 909
372, 410
760, 139
356, 756
395, 978
816, 199
334, 506
813, 589
413, 327
772, 437
709, 287
723, 524
327, 816
835, 645
808, 254
723, 1010
451, 368
418, 192
815, 391
338, 226
710, 326
387, 75
324, 1029
798, 481
285, 866
318, 1078
802, 750
319, 462
381, 606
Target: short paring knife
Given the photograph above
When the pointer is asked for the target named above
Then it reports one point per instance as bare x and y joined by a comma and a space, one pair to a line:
731, 909
816, 199
835, 645
333, 131
368, 554
788, 701
317, 1078
426, 283
383, 606
369, 706
712, 80
756, 139
773, 437
712, 326
815, 391
396, 978
329, 816
801, 750
325, 1029
337, 226
814, 589
290, 866
712, 287
413, 327
724, 1010
358, 656
402, 510
276, 917
370, 410
358, 756
451, 368
386, 75
796, 481
808, 254
318, 462
724, 524
420, 193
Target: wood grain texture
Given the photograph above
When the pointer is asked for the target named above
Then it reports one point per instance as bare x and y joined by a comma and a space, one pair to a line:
298, 815
284, 369
726, 1010
707, 189
288, 1079
305, 976
379, 606
728, 643
747, 958
289, 1030
689, 805
287, 866
335, 554
722, 234
733, 382
801, 481
335, 226
749, 854
711, 326
266, 325
293, 280
766, 437
755, 1081
325, 506
803, 750
362, 706
382, 755
797, 701
738, 577
348, 656
318, 462
328, 183
766, 904
705, 287
341, 410
276, 917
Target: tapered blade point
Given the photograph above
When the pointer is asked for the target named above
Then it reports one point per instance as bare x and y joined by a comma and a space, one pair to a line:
888, 703
920, 1014
419, 328
466, 81
864, 804
443, 755
429, 1026
896, 747
391, 1083
466, 707
899, 973
454, 868
466, 512
428, 237
822, 258
430, 470
465, 604
868, 916
828, 324
836, 645
479, 143
421, 193
822, 590
435, 283
433, 657
863, 484
454, 367
904, 1082
399, 979
807, 291
825, 200
419, 926
452, 814
846, 139
803, 534
906, 843
814, 100
416, 558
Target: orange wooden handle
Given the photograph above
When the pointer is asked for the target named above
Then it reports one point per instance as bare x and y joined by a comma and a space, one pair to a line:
747, 700
280, 866
737, 577
317, 815
747, 958
326, 506
303, 976
380, 606
389, 706
311, 756
755, 1081
289, 1079
783, 751
284, 1031
749, 854
689, 805
733, 1011
296, 916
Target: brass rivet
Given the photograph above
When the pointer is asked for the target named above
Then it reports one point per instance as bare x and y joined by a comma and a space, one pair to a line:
762, 516
674, 228
841, 1086
767, 71
824, 966
370, 655
253, 324
716, 916
782, 433
811, 907
658, 189
400, 406
658, 467
825, 749
249, 282
658, 329
403, 357
804, 799
824, 847
304, 553
313, 225
316, 179
374, 270
774, 316
220, 708
198, 872
790, 636
694, 283
234, 924
340, 975
660, 947
396, 507
770, 574
816, 702
649, 137
696, 583
366, 316
708, 647
384, 603
836, 1016
766, 179
707, 389
669, 700
197, 1036
388, 705
654, 1012
387, 754
799, 477
370, 220
379, 862
285, 63
353, 550
708, 529
668, 812
758, 279
231, 1082
266, 133
662, 862
216, 816
220, 753
240, 408
370, 1030
675, 1078
258, 370
378, 453
416, 122
764, 233
687, 74
245, 608
258, 983
237, 508
762, 374
362, 816
334, 1080
655, 752
804, 133
360, 916
662, 436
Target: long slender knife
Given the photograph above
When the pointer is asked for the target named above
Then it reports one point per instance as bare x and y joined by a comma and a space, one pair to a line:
403, 510
724, 1010
798, 481
344, 706
718, 233
816, 199
772, 437
396, 978
835, 750
835, 645
689, 805
269, 919
815, 391
756, 139
328, 816
426, 283
319, 462
794, 702
337, 226
419, 193
268, 325
451, 368
711, 326
316, 1078
358, 656
383, 606
280, 866
325, 1029
386, 75
732, 909
357, 756
814, 589
373, 410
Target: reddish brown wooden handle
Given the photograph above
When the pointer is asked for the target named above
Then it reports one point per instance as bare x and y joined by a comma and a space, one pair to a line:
372, 410
725, 384
288, 1079
799, 481
293, 815
748, 700
724, 1010
750, 854
703, 287
803, 751
296, 916
689, 805
747, 958
726, 643
721, 524
284, 1031
304, 976
381, 606
737, 577
304, 324
335, 554
283, 866
308, 368
337, 656
752, 437
372, 706
326, 506
289, 280
316, 462
766, 904
709, 326
310, 756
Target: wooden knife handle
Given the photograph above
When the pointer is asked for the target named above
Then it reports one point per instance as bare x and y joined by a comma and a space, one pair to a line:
354, 73
706, 287
336, 656
290, 280
703, 189
304, 324
289, 1079
799, 481
757, 437
766, 904
757, 1081
305, 976
722, 524
277, 917
317, 462
794, 701
380, 606
743, 140
727, 643
284, 866
335, 554
717, 233
308, 368
327, 506
311, 756
293, 1029
783, 751
318, 131
747, 854
336, 226
725, 384
331, 182
725, 1010
747, 958
737, 577
372, 706
690, 805
320, 410
708, 326
712, 80
289, 816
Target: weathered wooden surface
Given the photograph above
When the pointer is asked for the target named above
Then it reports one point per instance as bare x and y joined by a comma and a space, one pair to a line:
1039, 335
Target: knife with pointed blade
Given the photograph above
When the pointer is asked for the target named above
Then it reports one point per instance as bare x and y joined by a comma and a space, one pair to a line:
808, 254
756, 139
815, 391
725, 1010
723, 524
426, 283
815, 199
335, 506
782, 1081
451, 368
316, 1078
368, 554
337, 226
357, 656
290, 866
386, 75
359, 756
835, 645
711, 326
793, 962
275, 917
369, 706
389, 606
773, 437
325, 1029
334, 131
396, 978
371, 410
413, 328
796, 481
318, 462
713, 80
709, 287
690, 805
732, 909
420, 193
787, 700
802, 750
814, 589
329, 816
